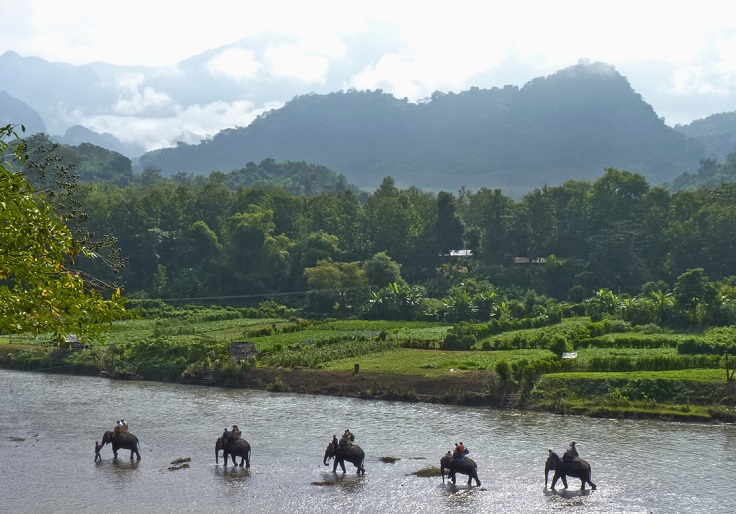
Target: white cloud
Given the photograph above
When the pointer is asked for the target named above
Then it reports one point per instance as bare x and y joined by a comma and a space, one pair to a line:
290, 61
135, 99
190, 125
235, 63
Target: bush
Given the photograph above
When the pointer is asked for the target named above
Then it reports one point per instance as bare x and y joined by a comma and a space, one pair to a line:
559, 344
693, 346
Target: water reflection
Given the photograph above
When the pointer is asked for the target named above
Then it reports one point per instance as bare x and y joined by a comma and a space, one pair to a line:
232, 474
461, 496
348, 484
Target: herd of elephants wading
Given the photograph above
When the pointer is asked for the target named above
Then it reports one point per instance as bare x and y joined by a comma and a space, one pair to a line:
234, 446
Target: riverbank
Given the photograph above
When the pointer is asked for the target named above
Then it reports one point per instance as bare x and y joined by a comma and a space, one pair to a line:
701, 396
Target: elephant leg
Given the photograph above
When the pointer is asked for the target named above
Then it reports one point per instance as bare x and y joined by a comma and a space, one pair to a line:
242, 460
564, 480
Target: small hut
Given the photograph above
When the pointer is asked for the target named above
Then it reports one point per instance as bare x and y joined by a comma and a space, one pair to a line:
243, 352
71, 343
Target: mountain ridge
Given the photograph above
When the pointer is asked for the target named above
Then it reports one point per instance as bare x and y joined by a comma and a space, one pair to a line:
569, 125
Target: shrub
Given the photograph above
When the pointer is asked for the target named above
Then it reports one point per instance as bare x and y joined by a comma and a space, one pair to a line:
559, 344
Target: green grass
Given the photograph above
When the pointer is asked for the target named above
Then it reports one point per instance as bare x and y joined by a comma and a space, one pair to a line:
586, 354
324, 331
692, 375
434, 362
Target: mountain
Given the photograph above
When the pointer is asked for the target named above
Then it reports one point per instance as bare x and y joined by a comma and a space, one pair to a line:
569, 125
190, 101
14, 112
717, 133
78, 134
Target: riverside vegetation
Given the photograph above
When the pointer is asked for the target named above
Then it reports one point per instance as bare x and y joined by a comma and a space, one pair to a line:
621, 370
417, 321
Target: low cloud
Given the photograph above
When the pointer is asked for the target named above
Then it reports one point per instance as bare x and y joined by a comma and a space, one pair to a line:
190, 125
290, 61
136, 99
236, 64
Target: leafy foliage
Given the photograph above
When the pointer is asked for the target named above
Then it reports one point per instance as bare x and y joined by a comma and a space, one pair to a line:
39, 290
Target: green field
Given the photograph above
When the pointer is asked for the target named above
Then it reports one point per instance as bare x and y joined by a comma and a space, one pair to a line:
435, 362
615, 374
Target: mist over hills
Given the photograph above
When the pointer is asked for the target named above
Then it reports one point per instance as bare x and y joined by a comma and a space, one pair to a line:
568, 125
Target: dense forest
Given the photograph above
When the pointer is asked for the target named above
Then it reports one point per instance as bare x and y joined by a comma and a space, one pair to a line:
298, 233
569, 125
393, 255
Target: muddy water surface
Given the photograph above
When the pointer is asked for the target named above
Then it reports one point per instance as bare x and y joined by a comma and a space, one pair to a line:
49, 424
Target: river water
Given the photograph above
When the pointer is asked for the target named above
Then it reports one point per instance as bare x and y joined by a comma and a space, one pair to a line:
49, 424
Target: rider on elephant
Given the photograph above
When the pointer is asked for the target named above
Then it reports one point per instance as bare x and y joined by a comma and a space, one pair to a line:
571, 453
460, 451
347, 439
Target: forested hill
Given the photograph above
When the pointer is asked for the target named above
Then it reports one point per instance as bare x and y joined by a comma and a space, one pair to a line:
716, 132
570, 124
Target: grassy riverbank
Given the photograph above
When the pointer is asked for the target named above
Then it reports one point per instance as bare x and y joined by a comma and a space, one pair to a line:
623, 373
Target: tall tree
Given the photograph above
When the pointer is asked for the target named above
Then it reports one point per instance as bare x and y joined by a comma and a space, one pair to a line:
450, 229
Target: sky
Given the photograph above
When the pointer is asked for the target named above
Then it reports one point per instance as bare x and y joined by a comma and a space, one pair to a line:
680, 56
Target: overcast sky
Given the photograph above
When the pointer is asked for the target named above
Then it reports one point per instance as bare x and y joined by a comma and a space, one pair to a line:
680, 56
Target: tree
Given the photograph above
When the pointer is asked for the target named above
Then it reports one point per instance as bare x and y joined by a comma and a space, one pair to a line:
39, 290
449, 228
381, 270
692, 289
335, 285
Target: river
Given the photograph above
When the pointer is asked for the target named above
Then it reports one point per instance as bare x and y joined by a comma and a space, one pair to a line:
49, 424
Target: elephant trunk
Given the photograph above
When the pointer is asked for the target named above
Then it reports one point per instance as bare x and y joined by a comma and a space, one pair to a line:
329, 453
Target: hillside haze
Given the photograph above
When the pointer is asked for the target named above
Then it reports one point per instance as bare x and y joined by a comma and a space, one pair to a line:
569, 125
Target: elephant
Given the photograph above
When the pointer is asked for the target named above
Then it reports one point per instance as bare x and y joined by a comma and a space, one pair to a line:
564, 468
351, 453
466, 466
125, 440
237, 447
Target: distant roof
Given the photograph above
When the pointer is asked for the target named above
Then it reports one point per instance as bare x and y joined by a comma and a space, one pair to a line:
460, 253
